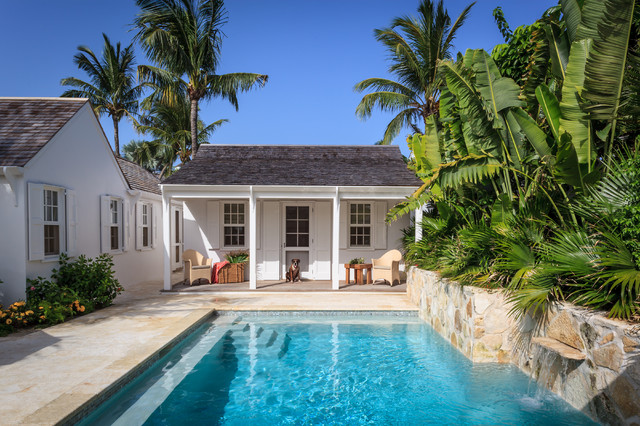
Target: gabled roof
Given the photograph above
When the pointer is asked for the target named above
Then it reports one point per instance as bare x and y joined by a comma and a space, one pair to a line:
27, 124
139, 178
299, 165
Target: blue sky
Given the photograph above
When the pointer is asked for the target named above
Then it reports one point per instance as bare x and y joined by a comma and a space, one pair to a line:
314, 52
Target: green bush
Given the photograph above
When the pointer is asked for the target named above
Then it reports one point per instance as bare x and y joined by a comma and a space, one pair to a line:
92, 279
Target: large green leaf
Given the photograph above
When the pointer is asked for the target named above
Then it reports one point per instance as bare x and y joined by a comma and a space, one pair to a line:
572, 11
536, 136
426, 148
537, 68
592, 12
607, 61
573, 120
515, 138
567, 167
478, 126
558, 49
500, 92
550, 107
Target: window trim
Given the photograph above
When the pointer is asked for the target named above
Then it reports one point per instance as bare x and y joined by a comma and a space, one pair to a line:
223, 225
370, 225
61, 222
149, 226
120, 224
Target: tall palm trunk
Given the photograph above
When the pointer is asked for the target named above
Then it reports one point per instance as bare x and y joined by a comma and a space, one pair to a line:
194, 127
116, 136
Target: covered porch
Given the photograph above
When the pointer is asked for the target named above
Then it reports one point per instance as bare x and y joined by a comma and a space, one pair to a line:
242, 198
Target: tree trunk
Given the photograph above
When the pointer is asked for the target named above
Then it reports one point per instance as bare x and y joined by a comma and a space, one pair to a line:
194, 127
116, 137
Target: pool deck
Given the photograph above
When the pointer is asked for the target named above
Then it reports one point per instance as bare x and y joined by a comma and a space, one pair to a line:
48, 375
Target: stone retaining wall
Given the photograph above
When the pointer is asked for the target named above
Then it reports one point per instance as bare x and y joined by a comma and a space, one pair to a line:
589, 360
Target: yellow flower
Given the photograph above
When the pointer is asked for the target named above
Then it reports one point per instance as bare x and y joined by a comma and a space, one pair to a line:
40, 307
42, 317
9, 321
21, 303
29, 312
25, 322
81, 308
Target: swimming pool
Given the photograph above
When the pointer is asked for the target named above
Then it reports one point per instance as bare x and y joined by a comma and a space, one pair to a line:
265, 369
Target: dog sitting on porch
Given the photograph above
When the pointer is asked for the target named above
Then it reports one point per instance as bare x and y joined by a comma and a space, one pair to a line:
294, 271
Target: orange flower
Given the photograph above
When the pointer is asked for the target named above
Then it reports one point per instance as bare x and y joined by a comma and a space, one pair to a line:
9, 321
81, 308
40, 307
29, 312
42, 317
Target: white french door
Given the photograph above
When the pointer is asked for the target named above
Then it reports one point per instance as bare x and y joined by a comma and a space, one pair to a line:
177, 237
297, 223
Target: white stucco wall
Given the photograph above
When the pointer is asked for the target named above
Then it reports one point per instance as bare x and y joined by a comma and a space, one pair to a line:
13, 242
79, 158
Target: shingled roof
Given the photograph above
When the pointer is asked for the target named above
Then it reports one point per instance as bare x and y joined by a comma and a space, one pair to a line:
139, 178
326, 165
27, 124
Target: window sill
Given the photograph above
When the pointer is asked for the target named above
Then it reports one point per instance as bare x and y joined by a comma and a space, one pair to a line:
51, 259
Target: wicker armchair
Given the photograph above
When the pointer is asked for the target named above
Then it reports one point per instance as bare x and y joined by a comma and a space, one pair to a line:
196, 267
387, 267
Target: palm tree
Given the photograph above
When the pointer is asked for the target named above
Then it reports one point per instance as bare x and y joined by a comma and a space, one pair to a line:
111, 87
169, 126
183, 38
415, 45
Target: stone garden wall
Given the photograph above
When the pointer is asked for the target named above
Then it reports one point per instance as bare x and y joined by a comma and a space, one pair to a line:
589, 360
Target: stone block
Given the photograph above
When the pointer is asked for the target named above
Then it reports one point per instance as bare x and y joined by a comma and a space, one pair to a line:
454, 340
469, 309
482, 301
606, 339
496, 321
629, 344
492, 341
609, 356
626, 397
457, 321
562, 329
504, 357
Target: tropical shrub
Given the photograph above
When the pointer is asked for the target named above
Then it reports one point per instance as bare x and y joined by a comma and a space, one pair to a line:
535, 185
91, 279
237, 257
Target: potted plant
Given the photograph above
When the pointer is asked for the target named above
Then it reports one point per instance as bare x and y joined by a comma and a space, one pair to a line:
234, 271
357, 261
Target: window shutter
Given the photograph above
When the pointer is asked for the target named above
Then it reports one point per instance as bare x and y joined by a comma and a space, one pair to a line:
379, 225
36, 221
344, 229
213, 224
154, 225
138, 226
125, 225
258, 224
105, 224
72, 222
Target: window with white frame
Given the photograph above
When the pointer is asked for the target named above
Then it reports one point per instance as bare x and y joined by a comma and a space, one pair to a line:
53, 220
234, 224
112, 222
116, 223
360, 225
146, 225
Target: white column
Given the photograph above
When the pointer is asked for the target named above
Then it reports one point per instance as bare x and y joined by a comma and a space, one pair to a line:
335, 244
418, 222
253, 241
166, 240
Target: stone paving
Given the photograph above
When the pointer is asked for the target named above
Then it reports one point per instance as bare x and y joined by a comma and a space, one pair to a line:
49, 374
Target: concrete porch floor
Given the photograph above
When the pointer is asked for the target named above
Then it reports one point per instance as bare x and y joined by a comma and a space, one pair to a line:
50, 374
178, 286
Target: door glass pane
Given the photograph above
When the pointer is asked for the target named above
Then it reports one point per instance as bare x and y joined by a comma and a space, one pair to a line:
177, 227
297, 226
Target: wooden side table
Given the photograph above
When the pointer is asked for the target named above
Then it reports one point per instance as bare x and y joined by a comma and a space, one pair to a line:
358, 268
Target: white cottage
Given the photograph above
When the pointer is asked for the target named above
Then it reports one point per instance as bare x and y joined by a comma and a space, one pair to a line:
63, 190
324, 205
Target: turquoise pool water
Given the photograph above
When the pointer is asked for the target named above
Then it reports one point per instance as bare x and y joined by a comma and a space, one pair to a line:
348, 370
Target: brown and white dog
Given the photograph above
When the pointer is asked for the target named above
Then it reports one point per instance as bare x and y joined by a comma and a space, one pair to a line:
294, 271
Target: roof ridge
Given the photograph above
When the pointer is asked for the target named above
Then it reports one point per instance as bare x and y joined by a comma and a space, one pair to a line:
43, 98
295, 146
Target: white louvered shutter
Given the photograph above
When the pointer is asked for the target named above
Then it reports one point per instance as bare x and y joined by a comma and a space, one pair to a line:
36, 221
105, 224
344, 228
213, 224
379, 226
72, 222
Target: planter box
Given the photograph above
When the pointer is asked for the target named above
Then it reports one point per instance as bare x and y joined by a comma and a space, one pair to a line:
231, 273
